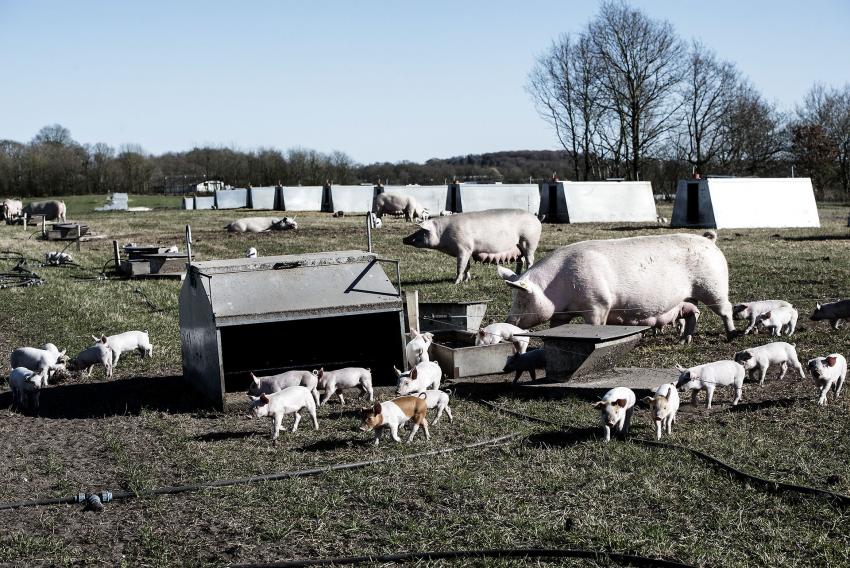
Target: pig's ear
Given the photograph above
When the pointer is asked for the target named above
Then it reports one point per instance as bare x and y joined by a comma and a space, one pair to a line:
264, 399
413, 373
103, 339
766, 315
428, 336
414, 333
96, 338
397, 372
680, 368
817, 306
599, 404
621, 402
377, 408
519, 284
648, 399
62, 353
506, 273
482, 333
255, 378
831, 361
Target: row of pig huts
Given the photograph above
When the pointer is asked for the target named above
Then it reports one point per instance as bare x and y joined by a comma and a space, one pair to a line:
713, 202
568, 202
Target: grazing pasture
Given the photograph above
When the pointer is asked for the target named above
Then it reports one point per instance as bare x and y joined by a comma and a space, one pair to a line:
552, 488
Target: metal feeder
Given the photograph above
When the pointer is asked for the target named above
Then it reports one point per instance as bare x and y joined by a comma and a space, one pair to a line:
451, 316
272, 314
459, 357
66, 231
580, 350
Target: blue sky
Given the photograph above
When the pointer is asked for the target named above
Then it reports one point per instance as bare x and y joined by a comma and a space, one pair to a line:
379, 80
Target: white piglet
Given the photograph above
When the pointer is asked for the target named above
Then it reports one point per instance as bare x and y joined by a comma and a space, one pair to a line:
751, 311
615, 410
274, 383
498, 332
440, 400
759, 359
828, 372
709, 376
416, 350
138, 341
779, 320
26, 387
84, 362
49, 358
291, 400
663, 406
348, 378
421, 378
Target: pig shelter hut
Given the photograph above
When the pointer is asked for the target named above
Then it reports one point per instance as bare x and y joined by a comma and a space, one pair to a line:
278, 313
739, 203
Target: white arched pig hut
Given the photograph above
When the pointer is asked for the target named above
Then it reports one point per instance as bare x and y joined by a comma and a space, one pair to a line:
739, 203
597, 202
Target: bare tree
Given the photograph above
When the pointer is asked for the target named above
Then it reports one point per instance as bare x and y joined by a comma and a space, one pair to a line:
565, 88
708, 94
756, 134
641, 64
823, 128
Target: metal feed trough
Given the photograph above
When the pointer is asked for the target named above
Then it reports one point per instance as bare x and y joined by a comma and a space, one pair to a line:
450, 316
272, 314
459, 357
574, 350
66, 231
153, 261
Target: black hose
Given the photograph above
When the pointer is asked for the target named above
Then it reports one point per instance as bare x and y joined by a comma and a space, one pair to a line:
771, 485
597, 555
257, 478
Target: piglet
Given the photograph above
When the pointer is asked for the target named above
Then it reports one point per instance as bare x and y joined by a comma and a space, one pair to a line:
416, 350
779, 320
615, 410
99, 353
274, 383
827, 372
759, 359
26, 387
529, 361
709, 376
832, 311
498, 332
440, 400
291, 400
422, 377
750, 311
120, 343
392, 414
348, 378
49, 358
663, 406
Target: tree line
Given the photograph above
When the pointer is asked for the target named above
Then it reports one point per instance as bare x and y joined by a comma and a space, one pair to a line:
627, 92
626, 98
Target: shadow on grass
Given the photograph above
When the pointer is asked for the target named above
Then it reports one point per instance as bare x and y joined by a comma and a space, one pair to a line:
564, 438
333, 445
818, 238
775, 403
117, 398
221, 436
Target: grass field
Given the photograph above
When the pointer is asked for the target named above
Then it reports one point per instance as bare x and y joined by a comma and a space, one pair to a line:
554, 488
